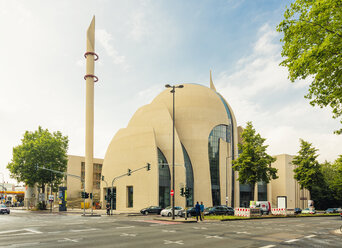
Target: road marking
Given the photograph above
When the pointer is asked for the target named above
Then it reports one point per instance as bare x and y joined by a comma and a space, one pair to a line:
71, 240
169, 231
128, 235
23, 244
178, 242
267, 246
291, 240
15, 232
200, 228
55, 232
310, 236
124, 227
242, 232
84, 230
214, 236
75, 223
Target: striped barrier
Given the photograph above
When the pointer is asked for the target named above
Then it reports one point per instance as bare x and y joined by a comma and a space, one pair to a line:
243, 212
278, 211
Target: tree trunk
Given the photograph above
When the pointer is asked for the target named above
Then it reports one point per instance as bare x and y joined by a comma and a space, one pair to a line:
43, 202
253, 189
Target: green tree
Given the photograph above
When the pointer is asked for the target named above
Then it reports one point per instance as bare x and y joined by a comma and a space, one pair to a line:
253, 163
336, 183
312, 46
308, 170
43, 149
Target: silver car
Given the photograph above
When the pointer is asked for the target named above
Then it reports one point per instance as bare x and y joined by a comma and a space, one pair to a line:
4, 209
168, 211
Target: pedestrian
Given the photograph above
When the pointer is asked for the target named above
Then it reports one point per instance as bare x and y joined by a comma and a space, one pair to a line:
202, 211
108, 208
198, 211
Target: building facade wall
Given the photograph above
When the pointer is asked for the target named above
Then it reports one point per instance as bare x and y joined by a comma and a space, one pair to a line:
198, 110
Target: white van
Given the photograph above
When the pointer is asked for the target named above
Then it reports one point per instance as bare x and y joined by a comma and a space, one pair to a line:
264, 206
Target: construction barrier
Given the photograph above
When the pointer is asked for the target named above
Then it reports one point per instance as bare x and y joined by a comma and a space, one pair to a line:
244, 212
279, 211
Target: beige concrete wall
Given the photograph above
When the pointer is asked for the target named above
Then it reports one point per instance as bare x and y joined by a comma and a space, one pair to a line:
74, 185
198, 110
286, 185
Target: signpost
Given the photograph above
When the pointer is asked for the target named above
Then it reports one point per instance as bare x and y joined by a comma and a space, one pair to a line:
172, 192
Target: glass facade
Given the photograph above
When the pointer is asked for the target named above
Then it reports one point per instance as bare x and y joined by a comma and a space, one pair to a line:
219, 132
97, 169
164, 180
245, 195
129, 196
262, 191
189, 177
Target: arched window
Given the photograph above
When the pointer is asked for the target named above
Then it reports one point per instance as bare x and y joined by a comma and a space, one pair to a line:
164, 180
189, 177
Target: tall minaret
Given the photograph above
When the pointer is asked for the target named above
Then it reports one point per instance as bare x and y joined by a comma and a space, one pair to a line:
90, 78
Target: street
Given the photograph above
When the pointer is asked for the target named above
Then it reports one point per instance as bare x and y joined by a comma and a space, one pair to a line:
36, 229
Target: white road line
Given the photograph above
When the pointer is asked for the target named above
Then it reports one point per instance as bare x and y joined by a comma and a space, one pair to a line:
267, 246
75, 223
124, 227
178, 242
291, 240
169, 231
71, 240
242, 232
214, 236
128, 235
84, 230
33, 231
23, 244
310, 236
55, 232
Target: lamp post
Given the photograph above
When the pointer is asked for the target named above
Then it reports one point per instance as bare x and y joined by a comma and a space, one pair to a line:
173, 91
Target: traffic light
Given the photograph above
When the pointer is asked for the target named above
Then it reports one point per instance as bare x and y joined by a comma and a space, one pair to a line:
86, 195
182, 192
129, 172
91, 195
83, 194
148, 167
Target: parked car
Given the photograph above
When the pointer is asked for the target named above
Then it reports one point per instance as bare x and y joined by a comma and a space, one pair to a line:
308, 211
4, 209
339, 210
190, 211
168, 211
218, 210
230, 210
151, 210
297, 210
331, 210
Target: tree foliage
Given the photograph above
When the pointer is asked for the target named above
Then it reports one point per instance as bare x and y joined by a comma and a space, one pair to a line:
312, 47
308, 170
336, 182
253, 163
39, 148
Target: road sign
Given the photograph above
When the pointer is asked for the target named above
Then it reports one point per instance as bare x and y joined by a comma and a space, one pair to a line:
172, 193
51, 198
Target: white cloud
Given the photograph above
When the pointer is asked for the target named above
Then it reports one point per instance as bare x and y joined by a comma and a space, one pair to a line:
259, 91
105, 40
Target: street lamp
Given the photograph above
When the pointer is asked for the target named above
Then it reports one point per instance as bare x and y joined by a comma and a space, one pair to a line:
173, 91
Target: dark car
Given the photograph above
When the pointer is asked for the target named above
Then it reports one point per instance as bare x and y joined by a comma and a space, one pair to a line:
151, 210
190, 212
4, 209
331, 211
219, 210
297, 211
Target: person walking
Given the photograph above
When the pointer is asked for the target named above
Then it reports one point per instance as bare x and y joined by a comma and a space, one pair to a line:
198, 211
108, 208
202, 211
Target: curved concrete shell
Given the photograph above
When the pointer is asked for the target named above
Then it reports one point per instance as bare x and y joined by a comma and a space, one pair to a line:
205, 143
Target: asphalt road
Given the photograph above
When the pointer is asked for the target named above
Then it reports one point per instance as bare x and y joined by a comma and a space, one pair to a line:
34, 229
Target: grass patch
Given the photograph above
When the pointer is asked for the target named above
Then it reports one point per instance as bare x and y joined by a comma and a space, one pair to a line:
224, 217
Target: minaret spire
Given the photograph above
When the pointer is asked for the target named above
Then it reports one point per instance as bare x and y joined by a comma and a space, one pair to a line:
212, 86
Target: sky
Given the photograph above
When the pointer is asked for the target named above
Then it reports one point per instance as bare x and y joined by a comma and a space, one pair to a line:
142, 46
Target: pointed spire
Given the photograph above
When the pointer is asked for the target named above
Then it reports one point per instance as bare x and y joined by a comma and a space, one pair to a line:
91, 36
212, 86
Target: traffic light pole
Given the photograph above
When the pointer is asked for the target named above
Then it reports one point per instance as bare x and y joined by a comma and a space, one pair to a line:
70, 175
148, 167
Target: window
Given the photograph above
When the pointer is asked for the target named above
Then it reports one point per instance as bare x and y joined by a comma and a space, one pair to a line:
129, 196
189, 177
164, 180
